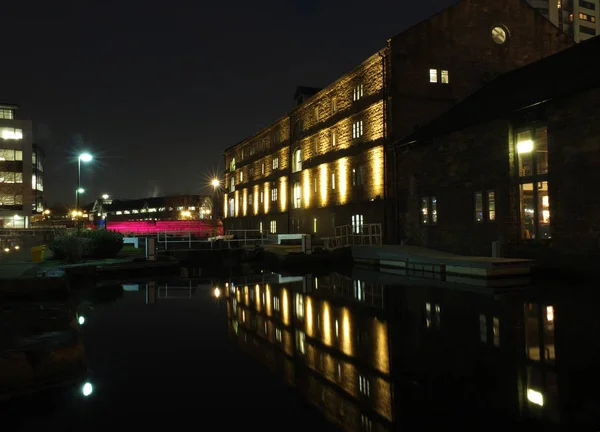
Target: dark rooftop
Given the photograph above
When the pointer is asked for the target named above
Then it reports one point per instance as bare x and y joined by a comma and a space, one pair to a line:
561, 75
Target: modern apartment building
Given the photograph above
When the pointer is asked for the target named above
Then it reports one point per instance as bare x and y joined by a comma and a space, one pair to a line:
331, 161
21, 181
577, 18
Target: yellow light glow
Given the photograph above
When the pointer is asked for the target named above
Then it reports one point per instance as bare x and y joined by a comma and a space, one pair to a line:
346, 344
225, 206
342, 177
525, 146
326, 324
376, 168
535, 397
246, 296
306, 187
186, 213
245, 202
255, 194
236, 204
267, 196
285, 312
217, 292
381, 359
268, 299
323, 179
550, 313
283, 193
257, 298
309, 316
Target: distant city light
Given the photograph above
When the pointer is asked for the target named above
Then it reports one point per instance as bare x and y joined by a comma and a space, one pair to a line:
217, 292
105, 196
81, 320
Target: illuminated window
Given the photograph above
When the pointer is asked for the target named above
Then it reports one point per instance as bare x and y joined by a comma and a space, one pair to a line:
9, 133
445, 77
299, 306
333, 105
262, 197
297, 160
250, 201
357, 129
358, 177
260, 226
272, 227
315, 225
275, 163
297, 195
358, 92
333, 138
433, 75
9, 177
333, 180
364, 385
232, 185
499, 35
241, 176
478, 207
315, 184
6, 113
278, 335
232, 165
276, 302
586, 17
274, 192
359, 290
301, 341
429, 214
491, 205
357, 223
316, 114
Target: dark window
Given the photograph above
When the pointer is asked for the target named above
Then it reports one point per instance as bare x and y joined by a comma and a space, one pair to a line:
587, 30
587, 4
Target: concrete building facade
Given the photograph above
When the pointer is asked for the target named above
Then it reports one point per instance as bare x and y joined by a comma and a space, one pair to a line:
577, 18
21, 171
331, 161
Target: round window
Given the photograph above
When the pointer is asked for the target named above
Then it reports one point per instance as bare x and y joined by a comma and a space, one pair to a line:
499, 35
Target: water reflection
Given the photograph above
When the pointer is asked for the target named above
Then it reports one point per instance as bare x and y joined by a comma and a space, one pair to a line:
337, 340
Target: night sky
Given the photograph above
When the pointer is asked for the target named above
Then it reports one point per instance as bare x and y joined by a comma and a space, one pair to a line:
157, 90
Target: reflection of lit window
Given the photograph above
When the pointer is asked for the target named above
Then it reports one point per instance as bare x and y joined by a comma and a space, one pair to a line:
428, 314
299, 306
367, 426
359, 292
301, 340
496, 324
363, 385
276, 303
278, 335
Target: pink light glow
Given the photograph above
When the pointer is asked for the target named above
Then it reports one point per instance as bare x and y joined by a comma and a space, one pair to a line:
203, 228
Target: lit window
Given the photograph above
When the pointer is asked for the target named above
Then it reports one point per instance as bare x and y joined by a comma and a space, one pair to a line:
273, 227
445, 77
6, 114
316, 114
276, 301
333, 139
491, 205
241, 176
278, 335
275, 163
262, 168
366, 424
433, 75
297, 195
232, 185
359, 290
499, 35
232, 165
297, 160
9, 133
357, 223
333, 180
262, 197
478, 207
433, 210
357, 129
333, 105
315, 184
315, 225
274, 192
358, 92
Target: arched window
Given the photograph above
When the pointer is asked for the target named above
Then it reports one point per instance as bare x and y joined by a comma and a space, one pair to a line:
297, 160
297, 195
232, 165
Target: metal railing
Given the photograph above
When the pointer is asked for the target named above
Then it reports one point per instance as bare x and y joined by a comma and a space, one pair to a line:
349, 235
233, 239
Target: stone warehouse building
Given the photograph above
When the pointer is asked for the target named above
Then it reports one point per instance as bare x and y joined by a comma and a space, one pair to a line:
331, 161
517, 161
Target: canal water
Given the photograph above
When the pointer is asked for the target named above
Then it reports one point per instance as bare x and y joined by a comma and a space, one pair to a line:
356, 352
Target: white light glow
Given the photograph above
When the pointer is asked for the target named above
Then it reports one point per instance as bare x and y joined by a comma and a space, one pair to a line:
105, 196
217, 292
535, 397
85, 157
81, 320
87, 389
525, 146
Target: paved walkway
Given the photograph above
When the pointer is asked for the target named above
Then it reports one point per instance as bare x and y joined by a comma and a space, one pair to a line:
17, 264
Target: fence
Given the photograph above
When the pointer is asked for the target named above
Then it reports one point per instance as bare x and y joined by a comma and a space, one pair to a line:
349, 235
233, 239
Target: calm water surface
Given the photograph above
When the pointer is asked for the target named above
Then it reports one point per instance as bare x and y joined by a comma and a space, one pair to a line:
356, 352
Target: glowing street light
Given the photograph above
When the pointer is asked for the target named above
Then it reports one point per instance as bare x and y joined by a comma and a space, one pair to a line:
217, 292
105, 196
215, 183
83, 157
80, 190
87, 389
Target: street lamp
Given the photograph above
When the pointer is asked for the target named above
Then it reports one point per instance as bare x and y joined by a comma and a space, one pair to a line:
83, 157
104, 196
215, 183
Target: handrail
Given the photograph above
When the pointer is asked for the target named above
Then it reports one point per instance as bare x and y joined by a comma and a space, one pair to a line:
354, 235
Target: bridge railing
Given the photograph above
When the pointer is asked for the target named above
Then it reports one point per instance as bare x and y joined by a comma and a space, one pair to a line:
354, 235
233, 239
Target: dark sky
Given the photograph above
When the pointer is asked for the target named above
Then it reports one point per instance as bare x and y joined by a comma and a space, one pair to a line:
157, 89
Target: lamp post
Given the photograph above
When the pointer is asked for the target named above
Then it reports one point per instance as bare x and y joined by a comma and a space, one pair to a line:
83, 157
216, 184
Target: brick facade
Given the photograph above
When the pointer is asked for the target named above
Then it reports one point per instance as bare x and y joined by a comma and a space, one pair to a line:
343, 174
